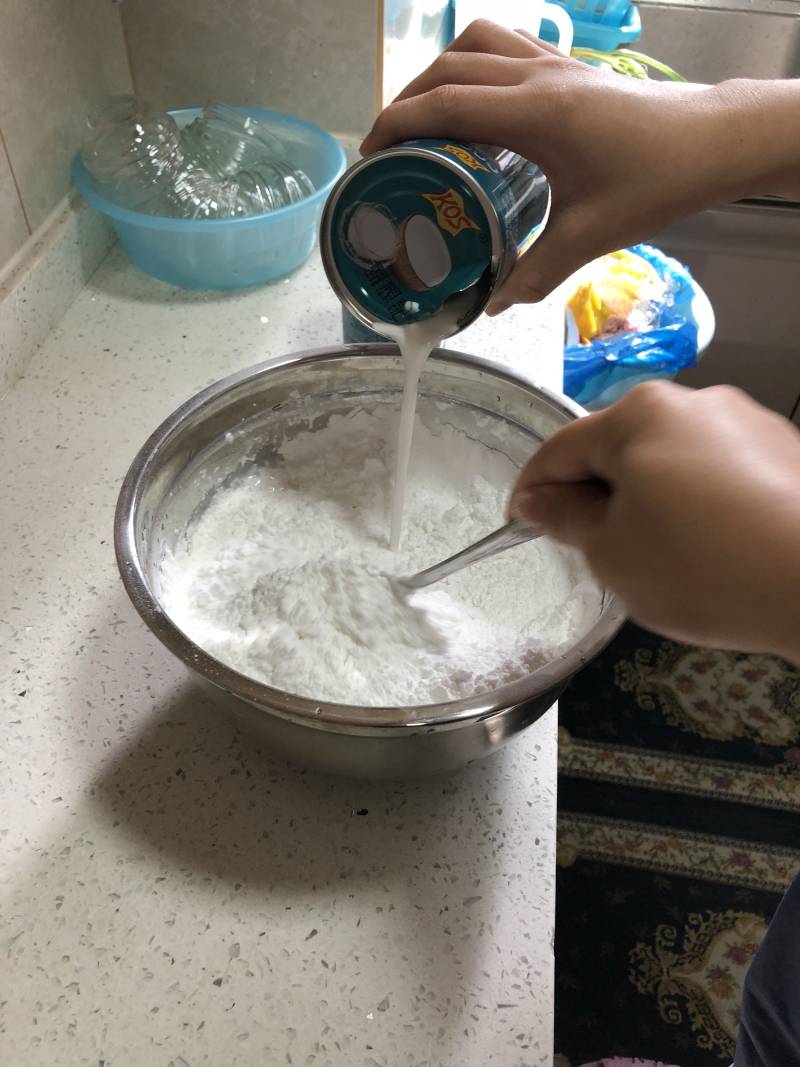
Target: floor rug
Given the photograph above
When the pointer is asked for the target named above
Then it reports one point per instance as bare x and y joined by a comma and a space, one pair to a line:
679, 830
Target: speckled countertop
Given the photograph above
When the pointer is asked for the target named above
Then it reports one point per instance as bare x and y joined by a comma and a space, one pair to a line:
169, 894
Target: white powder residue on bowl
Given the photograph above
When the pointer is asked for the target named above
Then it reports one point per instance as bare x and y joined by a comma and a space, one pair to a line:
283, 575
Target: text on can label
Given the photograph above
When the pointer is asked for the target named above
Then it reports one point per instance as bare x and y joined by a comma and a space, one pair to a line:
450, 213
465, 157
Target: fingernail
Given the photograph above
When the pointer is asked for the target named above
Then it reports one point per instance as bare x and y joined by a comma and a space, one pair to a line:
521, 504
497, 308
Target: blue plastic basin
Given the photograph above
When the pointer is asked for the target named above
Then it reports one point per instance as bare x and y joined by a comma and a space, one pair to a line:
230, 253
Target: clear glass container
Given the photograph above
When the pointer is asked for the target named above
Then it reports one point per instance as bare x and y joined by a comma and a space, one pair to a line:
224, 164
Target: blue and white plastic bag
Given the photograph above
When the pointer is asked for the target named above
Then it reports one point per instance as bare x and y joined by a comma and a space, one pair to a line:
598, 372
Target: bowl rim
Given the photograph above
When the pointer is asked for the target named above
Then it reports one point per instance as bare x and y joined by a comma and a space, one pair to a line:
324, 715
85, 185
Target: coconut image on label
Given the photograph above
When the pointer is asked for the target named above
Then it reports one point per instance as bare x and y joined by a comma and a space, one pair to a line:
370, 235
422, 260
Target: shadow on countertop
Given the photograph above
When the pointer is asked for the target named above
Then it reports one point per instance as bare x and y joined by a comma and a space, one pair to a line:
195, 787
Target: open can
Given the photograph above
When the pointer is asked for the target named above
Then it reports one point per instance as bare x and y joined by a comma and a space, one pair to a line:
408, 229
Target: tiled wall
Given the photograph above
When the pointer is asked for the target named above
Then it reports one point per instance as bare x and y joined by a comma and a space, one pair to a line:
312, 58
56, 58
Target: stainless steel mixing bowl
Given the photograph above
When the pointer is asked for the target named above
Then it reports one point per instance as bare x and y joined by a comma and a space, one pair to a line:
243, 420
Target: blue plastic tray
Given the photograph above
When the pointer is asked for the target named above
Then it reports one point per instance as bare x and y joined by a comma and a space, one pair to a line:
611, 27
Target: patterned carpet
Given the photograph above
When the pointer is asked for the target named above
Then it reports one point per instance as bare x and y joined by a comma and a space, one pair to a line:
679, 830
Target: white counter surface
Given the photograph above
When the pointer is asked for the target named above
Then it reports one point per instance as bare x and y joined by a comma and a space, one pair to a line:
170, 895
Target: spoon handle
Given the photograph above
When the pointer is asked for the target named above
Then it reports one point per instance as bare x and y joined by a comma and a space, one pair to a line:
513, 533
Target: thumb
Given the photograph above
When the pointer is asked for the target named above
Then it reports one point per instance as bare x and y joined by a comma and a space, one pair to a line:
564, 247
572, 512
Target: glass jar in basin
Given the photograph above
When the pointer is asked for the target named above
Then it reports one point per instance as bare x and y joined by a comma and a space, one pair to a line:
230, 253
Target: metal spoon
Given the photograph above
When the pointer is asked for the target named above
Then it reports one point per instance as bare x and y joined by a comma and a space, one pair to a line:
513, 533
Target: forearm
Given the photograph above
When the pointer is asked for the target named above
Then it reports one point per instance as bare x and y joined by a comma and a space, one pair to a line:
757, 138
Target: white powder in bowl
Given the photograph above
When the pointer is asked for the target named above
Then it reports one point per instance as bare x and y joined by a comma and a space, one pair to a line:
283, 575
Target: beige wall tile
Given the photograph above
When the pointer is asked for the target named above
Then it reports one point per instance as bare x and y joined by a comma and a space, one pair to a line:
56, 58
313, 58
13, 228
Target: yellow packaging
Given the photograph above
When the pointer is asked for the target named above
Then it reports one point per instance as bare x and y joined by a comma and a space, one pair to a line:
610, 292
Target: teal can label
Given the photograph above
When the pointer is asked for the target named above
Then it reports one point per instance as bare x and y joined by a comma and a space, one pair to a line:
410, 227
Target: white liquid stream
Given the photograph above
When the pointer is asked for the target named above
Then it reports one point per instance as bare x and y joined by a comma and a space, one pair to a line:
416, 342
